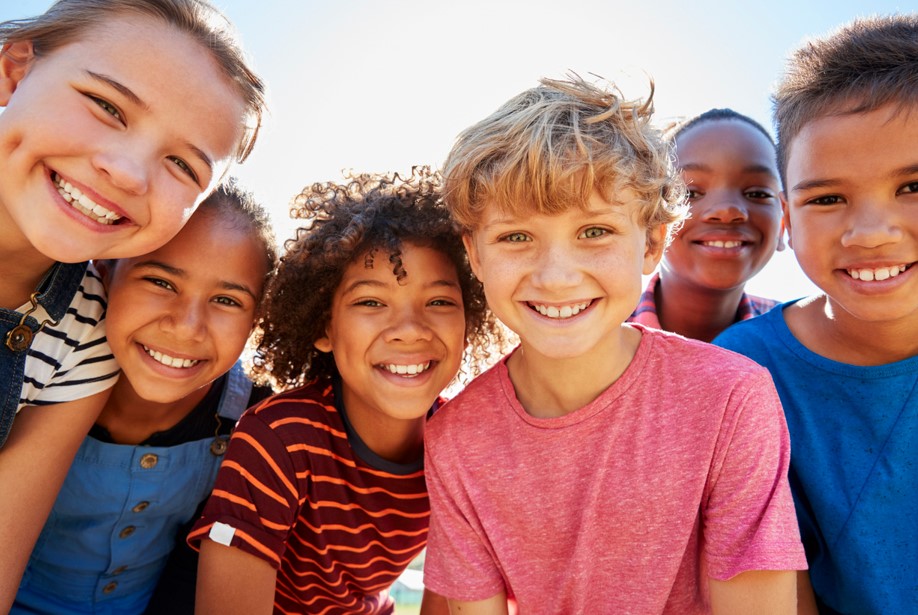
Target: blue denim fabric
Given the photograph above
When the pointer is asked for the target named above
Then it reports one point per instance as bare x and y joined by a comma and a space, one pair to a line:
56, 293
116, 520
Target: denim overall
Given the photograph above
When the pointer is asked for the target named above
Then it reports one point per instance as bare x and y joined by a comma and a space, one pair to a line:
115, 521
55, 294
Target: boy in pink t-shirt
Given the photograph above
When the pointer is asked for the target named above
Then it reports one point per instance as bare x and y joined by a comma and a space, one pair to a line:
601, 467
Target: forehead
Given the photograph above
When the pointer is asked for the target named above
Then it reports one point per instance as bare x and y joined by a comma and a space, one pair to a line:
726, 136
854, 146
624, 201
417, 261
179, 81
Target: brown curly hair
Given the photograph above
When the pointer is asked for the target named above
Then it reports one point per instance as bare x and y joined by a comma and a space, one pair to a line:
367, 214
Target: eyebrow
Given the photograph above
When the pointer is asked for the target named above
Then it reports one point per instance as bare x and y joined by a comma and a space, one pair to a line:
379, 284
135, 99
752, 168
123, 89
181, 273
911, 169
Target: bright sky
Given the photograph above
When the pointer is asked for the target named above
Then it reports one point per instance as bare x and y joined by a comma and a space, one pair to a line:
379, 85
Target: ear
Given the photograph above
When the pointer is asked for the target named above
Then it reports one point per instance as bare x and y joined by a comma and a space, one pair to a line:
653, 251
323, 344
780, 247
785, 223
15, 62
468, 240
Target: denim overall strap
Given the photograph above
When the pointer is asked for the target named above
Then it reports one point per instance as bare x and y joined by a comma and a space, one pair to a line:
56, 292
235, 397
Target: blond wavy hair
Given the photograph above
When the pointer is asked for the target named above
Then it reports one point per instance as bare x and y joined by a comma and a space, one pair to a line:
549, 148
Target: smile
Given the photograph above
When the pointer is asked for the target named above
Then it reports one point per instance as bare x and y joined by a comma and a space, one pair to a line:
565, 311
83, 203
170, 361
722, 244
879, 274
409, 371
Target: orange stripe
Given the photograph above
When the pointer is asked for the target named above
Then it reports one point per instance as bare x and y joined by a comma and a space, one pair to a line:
267, 458
231, 463
376, 514
350, 463
334, 480
257, 546
235, 499
335, 527
301, 420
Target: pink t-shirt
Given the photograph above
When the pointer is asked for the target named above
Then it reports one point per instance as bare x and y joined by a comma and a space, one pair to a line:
677, 472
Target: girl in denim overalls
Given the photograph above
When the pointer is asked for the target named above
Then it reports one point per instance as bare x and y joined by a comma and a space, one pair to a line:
119, 117
178, 319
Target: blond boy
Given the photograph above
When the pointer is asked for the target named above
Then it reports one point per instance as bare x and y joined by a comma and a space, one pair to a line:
601, 467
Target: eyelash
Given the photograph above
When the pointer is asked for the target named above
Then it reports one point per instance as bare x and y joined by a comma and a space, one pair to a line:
185, 167
160, 283
829, 199
515, 237
117, 115
107, 107
602, 232
912, 188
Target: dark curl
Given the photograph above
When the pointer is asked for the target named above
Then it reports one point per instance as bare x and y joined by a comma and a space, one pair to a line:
372, 215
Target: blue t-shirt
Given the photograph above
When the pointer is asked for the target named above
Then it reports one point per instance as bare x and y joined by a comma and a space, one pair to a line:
854, 466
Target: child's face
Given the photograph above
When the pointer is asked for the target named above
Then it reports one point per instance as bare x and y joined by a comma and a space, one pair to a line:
135, 115
179, 317
564, 283
396, 346
852, 211
734, 192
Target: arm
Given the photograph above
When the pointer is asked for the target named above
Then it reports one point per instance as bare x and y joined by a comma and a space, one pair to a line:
33, 465
757, 592
433, 604
233, 581
495, 605
806, 599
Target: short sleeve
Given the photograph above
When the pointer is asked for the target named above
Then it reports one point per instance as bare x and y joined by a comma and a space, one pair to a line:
256, 493
72, 360
748, 512
458, 564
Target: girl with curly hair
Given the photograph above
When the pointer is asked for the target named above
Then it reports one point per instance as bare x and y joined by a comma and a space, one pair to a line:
321, 502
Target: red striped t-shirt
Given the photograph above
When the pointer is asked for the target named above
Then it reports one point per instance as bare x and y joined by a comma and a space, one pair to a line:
339, 525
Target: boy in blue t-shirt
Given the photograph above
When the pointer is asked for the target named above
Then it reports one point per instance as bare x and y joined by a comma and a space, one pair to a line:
845, 361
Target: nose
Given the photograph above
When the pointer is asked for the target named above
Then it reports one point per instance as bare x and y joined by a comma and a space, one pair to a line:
126, 164
186, 321
871, 225
721, 208
408, 325
556, 268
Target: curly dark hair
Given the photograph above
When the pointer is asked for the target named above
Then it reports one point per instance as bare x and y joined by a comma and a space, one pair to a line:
367, 213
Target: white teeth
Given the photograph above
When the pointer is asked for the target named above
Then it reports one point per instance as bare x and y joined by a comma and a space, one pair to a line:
406, 370
722, 244
879, 274
565, 311
171, 361
83, 203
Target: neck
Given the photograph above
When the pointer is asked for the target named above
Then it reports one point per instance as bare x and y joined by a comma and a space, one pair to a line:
693, 312
393, 439
833, 333
131, 419
549, 387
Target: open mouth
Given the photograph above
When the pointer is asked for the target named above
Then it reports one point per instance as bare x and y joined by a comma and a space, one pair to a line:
83, 203
170, 361
722, 244
560, 312
408, 371
878, 274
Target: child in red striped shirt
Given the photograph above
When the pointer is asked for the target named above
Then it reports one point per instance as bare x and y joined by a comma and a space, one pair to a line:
321, 502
